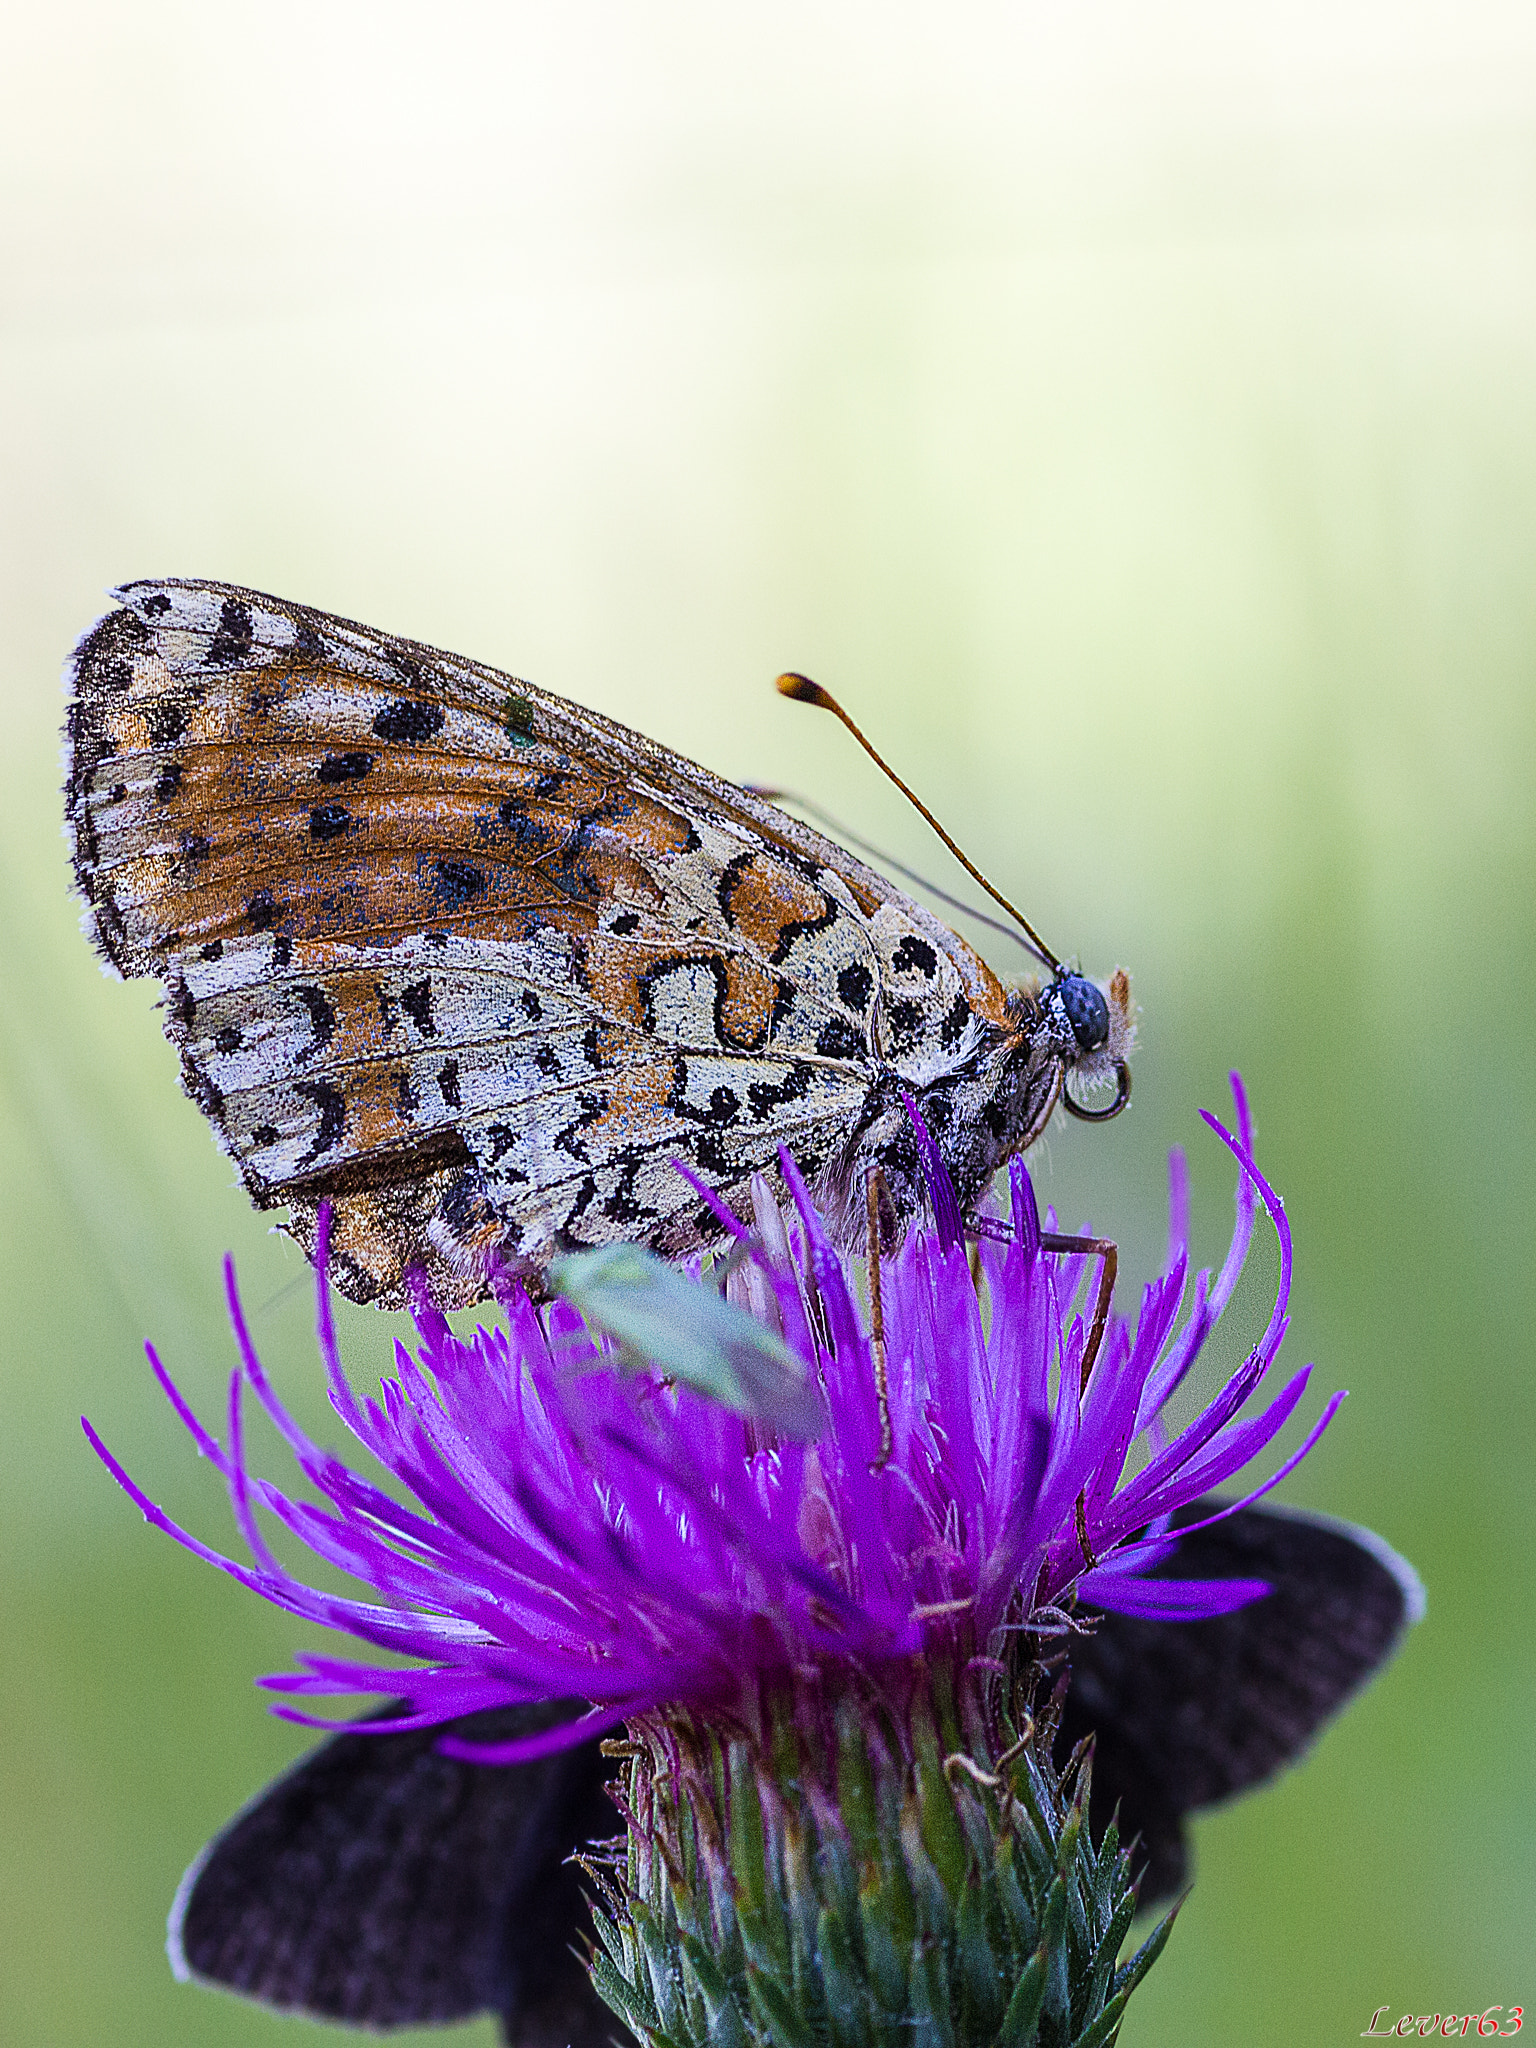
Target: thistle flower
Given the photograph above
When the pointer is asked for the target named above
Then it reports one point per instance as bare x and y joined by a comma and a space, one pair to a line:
818, 1633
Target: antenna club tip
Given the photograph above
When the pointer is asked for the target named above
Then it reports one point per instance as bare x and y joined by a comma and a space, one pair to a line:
803, 690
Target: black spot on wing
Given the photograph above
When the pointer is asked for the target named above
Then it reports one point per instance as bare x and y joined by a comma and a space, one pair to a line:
497, 1140
329, 821
915, 956
764, 1097
527, 833
956, 1017
322, 1019
448, 1084
232, 642
456, 882
407, 723
416, 1001
572, 1141
586, 1195
167, 782
167, 722
351, 766
854, 986
308, 640
904, 1020
261, 912
709, 1156
724, 1105
333, 1118
838, 1040
623, 1205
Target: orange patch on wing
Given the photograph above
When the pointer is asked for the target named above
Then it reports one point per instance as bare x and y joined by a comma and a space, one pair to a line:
766, 897
985, 993
374, 1118
615, 977
639, 1096
746, 1008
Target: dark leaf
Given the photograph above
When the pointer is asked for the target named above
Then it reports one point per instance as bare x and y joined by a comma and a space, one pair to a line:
382, 1883
1188, 1713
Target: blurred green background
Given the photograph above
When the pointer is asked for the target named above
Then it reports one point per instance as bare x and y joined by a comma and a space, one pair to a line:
1132, 412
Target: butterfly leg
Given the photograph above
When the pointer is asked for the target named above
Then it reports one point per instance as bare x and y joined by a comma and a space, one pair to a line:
877, 1199
1103, 1248
1108, 1253
1106, 1250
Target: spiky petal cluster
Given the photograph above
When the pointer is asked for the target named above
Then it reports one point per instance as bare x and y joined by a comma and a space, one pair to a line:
584, 1534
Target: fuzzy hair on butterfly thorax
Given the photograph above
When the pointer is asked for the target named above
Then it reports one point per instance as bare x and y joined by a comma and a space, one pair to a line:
480, 968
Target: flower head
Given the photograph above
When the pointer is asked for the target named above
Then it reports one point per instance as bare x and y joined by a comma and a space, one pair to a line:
583, 1533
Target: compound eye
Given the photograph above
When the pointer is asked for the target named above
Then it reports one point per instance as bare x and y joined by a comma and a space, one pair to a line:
1087, 1011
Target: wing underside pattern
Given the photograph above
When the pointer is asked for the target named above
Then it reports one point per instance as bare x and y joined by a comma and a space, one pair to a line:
473, 964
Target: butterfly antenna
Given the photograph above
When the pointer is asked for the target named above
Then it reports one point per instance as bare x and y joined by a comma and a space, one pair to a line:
804, 691
849, 837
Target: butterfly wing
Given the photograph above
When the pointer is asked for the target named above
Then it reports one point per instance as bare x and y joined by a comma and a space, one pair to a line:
469, 962
1189, 1713
383, 1884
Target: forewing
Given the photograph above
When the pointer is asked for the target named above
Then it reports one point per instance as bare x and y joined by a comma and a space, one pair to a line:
400, 901
1188, 1713
383, 1884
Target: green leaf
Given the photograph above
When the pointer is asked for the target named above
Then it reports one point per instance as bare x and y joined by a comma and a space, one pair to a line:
1104, 2029
1022, 2019
627, 1999
849, 2005
1053, 1946
666, 1323
773, 2009
932, 2009
1130, 1976
1103, 1963
979, 1972
725, 2024
941, 1831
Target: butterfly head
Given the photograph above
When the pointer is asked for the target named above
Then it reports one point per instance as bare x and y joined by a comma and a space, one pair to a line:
1093, 1029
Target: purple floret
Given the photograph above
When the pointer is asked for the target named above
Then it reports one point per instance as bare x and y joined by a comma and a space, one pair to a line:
586, 1534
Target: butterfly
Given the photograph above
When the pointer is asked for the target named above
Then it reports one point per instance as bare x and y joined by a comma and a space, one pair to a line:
382, 1883
480, 968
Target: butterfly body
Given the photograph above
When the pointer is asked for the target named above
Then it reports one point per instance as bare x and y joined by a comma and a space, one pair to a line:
478, 966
